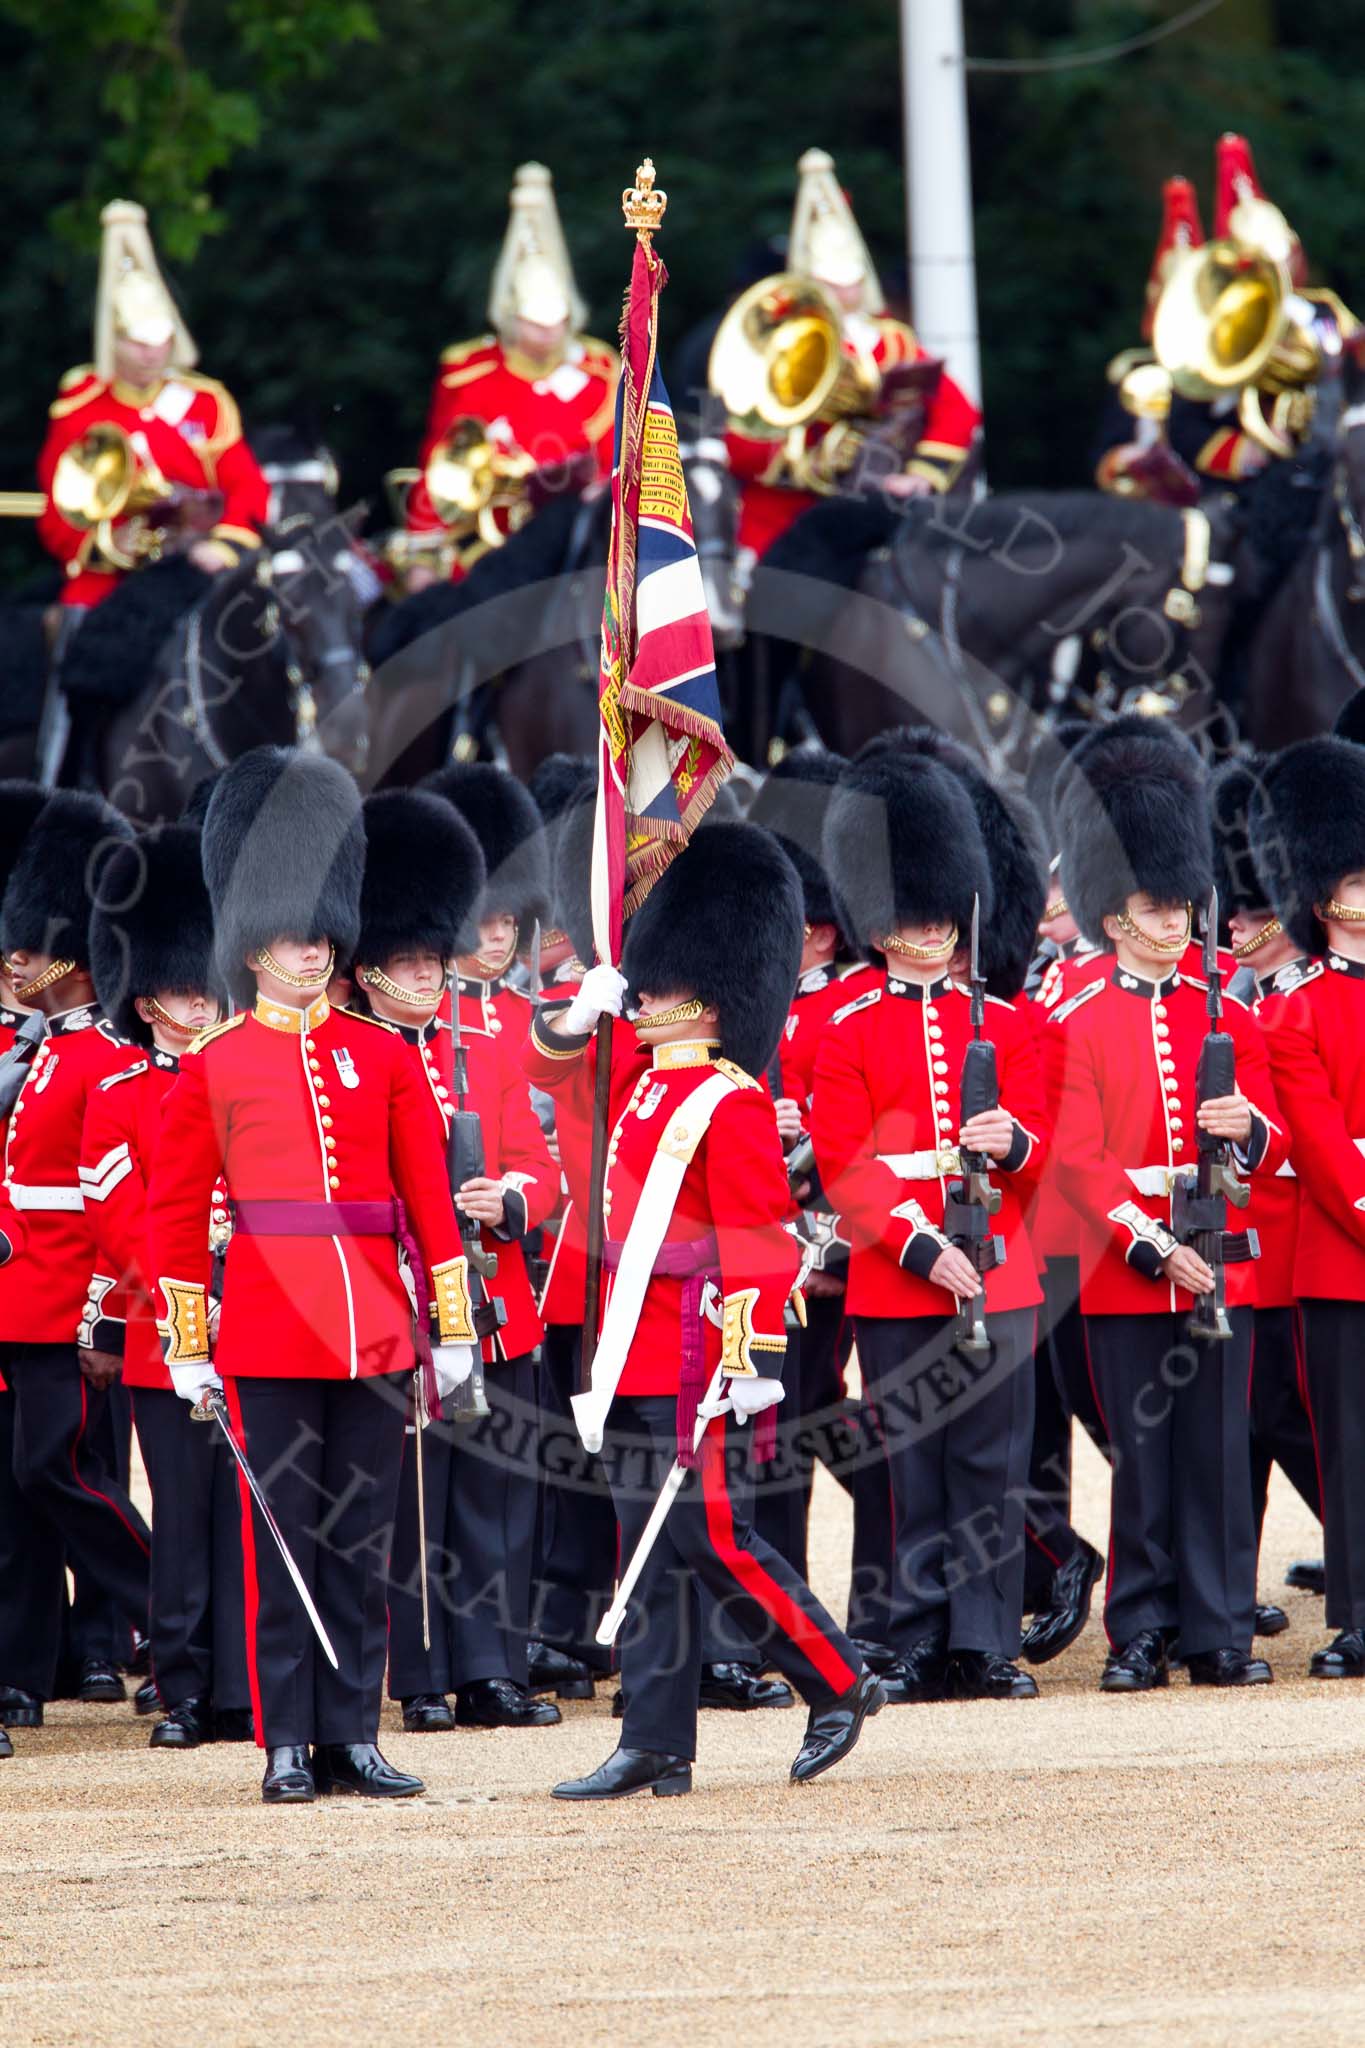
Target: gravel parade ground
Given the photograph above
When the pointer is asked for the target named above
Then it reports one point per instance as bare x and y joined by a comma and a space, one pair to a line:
1181, 1867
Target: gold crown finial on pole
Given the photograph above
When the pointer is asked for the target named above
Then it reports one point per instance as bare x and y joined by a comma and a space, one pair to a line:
642, 206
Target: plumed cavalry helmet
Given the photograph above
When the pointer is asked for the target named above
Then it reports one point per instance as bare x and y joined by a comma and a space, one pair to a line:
533, 278
284, 854
1308, 830
1232, 790
902, 846
503, 818
825, 241
724, 923
423, 876
152, 928
131, 300
1132, 817
792, 803
1013, 838
55, 881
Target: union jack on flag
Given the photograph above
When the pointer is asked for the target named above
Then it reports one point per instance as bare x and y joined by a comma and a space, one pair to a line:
662, 753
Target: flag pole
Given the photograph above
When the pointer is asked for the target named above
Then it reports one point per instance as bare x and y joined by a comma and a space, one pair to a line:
642, 208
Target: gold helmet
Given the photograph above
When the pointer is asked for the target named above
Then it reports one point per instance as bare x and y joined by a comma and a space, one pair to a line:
826, 242
533, 279
132, 301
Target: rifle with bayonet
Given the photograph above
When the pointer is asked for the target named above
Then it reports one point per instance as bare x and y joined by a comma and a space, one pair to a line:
19, 1058
1199, 1200
465, 1161
971, 1201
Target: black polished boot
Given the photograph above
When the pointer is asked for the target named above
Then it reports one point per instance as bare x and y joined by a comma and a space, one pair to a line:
1227, 1667
1271, 1621
147, 1700
186, 1726
498, 1703
919, 1676
982, 1675
1068, 1609
19, 1709
6, 1746
1140, 1666
1344, 1657
551, 1670
358, 1767
427, 1713
740, 1689
233, 1724
1309, 1575
100, 1683
832, 1731
288, 1779
630, 1770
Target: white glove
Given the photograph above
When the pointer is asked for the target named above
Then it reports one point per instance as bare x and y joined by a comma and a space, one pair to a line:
190, 1381
602, 991
454, 1363
751, 1397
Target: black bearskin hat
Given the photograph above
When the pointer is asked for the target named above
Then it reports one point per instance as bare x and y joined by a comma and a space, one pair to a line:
1232, 788
1133, 816
791, 804
284, 854
1013, 838
902, 846
573, 873
55, 880
561, 785
152, 928
507, 825
423, 875
1308, 830
724, 922
20, 803
1044, 775
558, 780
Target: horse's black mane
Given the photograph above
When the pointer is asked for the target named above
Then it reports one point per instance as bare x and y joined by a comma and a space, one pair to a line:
23, 666
111, 657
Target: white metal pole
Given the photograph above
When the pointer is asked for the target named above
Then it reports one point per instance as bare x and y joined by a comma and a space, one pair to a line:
938, 165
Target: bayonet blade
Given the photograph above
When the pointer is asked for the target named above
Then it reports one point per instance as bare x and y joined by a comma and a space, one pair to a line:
976, 940
1211, 936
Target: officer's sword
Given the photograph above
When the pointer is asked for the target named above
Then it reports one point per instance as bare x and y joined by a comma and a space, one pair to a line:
211, 1407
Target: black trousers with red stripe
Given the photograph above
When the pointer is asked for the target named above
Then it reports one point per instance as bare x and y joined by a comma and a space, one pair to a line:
575, 1554
1334, 1372
327, 1454
1182, 1547
33, 1607
1281, 1432
811, 1425
66, 1482
198, 1625
708, 1540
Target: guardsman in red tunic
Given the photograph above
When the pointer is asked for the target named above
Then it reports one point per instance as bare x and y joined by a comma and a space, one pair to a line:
423, 877
907, 857
515, 900
151, 947
78, 1509
1268, 960
183, 428
784, 471
319, 1126
542, 392
1136, 853
1308, 831
700, 1272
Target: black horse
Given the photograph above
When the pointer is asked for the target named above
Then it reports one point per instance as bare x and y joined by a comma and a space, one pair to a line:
179, 672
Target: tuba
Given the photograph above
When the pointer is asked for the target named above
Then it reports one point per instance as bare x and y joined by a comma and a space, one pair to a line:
469, 480
778, 359
100, 479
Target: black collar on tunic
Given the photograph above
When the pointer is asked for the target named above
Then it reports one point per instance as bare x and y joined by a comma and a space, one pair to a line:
79, 1019
915, 992
1147, 991
1339, 964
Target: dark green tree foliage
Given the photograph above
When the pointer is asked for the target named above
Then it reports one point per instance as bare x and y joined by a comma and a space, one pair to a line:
329, 200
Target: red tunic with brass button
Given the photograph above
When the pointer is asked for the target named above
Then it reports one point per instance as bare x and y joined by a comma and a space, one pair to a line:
187, 426
818, 995
552, 416
1274, 1208
493, 1009
1126, 1124
10, 1020
735, 1186
887, 1081
43, 1285
299, 1107
1052, 1226
1315, 1031
768, 506
515, 1153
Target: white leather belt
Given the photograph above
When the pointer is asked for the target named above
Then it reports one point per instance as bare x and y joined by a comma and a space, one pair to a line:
923, 1165
45, 1198
1155, 1180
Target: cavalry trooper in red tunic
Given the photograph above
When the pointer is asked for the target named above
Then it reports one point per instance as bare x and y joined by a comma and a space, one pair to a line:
423, 878
79, 1511
516, 898
907, 857
316, 1121
701, 1273
1267, 959
1136, 854
1308, 832
151, 952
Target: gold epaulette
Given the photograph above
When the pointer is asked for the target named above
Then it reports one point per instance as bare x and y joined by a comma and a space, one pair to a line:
76, 389
461, 351
216, 1031
734, 1073
359, 1017
599, 354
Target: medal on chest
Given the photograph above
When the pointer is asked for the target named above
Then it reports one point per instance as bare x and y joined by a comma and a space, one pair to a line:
345, 1067
651, 1101
49, 1068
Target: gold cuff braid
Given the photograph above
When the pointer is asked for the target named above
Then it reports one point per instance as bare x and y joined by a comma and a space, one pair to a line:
738, 1338
185, 1332
454, 1310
